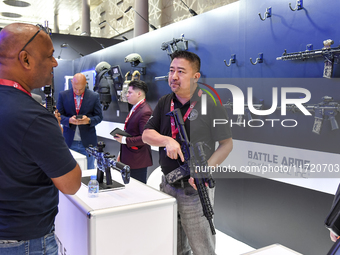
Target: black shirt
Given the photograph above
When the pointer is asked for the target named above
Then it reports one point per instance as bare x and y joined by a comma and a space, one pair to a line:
198, 127
32, 151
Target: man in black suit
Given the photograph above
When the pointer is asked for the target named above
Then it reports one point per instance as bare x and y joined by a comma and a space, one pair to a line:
80, 111
133, 151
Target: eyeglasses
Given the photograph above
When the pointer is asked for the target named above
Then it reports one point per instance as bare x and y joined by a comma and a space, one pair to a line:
46, 30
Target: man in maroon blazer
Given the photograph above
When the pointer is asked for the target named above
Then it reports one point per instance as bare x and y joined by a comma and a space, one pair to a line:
133, 151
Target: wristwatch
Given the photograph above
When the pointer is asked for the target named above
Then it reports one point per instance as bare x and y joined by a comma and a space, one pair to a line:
89, 121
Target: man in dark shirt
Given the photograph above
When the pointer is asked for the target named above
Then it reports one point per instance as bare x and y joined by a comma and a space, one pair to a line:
193, 230
35, 161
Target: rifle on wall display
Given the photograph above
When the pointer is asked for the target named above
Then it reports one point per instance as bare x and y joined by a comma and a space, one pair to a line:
327, 107
179, 44
328, 53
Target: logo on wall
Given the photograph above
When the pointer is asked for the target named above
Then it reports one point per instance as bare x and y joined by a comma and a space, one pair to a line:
208, 92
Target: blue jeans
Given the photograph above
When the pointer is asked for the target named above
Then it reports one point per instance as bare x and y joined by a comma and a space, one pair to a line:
45, 245
79, 147
193, 229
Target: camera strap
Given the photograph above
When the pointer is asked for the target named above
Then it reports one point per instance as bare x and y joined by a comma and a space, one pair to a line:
14, 84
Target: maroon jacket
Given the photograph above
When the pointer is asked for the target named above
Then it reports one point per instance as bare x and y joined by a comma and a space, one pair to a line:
135, 153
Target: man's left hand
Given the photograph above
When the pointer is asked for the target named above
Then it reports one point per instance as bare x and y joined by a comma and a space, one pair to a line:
192, 183
118, 138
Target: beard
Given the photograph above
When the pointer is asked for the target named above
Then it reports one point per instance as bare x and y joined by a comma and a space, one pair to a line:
175, 87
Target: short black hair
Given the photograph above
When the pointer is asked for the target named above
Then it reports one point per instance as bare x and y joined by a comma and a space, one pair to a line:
190, 56
139, 85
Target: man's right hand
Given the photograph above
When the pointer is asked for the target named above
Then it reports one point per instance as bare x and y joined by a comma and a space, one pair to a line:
173, 149
73, 120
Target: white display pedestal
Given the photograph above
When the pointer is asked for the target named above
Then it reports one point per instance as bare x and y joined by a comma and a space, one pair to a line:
80, 158
276, 249
134, 220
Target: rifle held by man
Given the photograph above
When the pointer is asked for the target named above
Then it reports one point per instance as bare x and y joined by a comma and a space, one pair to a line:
193, 161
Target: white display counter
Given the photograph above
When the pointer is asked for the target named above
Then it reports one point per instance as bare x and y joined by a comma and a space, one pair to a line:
134, 220
80, 158
275, 249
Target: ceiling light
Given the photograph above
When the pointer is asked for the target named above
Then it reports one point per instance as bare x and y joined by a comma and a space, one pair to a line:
17, 3
10, 15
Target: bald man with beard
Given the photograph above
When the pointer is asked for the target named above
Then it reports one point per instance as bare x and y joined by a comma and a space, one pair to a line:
35, 161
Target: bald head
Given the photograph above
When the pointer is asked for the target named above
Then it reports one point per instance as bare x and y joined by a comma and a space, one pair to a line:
31, 66
79, 83
13, 38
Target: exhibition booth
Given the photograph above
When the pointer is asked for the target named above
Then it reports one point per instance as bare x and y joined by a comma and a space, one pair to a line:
256, 56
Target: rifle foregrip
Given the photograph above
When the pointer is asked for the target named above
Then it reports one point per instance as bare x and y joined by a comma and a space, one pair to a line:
206, 204
49, 104
212, 227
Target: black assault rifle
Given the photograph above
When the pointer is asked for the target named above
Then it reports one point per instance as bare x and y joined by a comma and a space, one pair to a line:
193, 160
105, 161
328, 108
49, 100
326, 52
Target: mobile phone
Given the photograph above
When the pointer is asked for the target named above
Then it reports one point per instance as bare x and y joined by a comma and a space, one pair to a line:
79, 117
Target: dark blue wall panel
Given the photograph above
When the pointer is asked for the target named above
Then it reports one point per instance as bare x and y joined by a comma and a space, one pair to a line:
237, 29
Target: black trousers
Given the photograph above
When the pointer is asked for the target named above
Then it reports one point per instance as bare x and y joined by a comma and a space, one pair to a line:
139, 174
